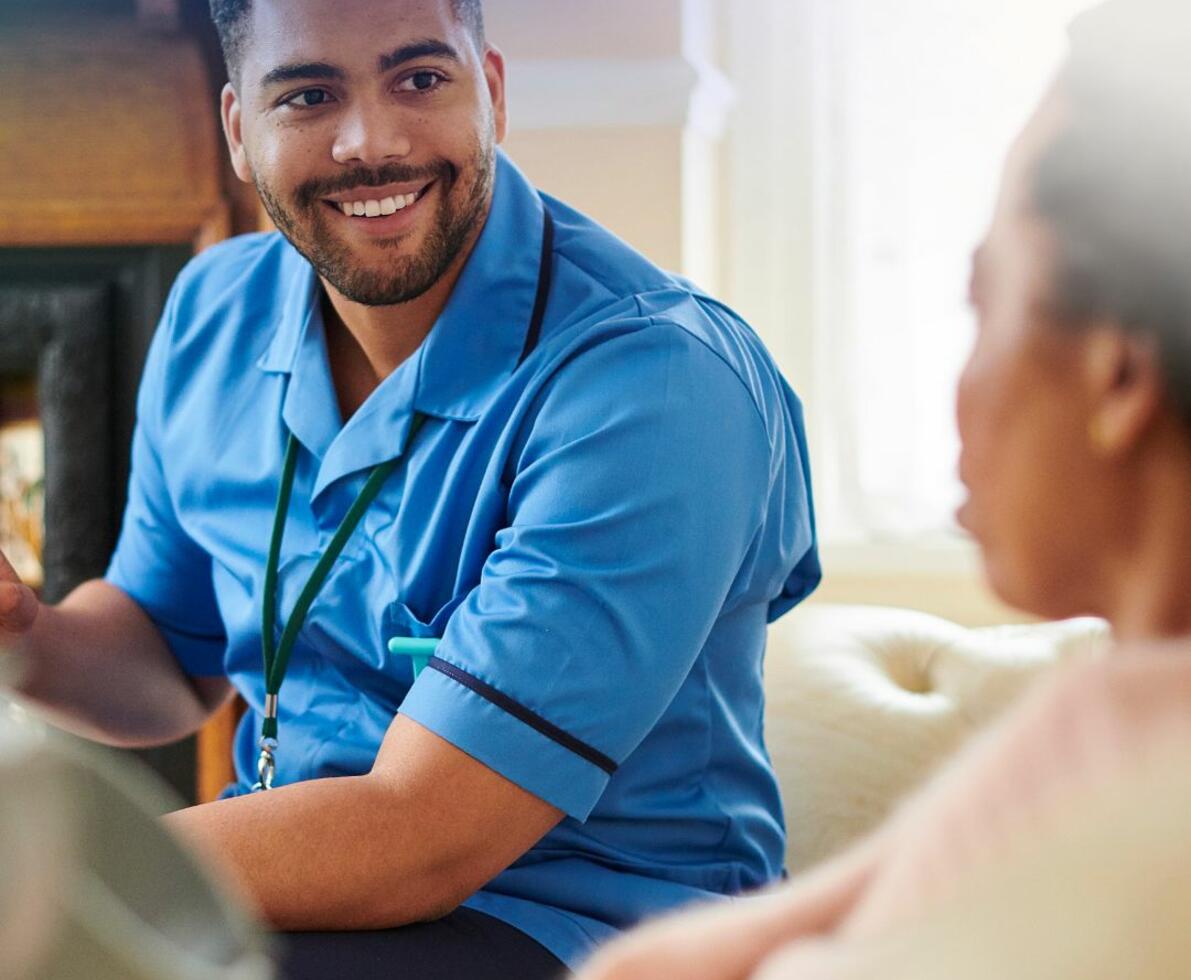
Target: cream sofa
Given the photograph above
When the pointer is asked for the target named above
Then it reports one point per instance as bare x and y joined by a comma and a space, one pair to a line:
863, 702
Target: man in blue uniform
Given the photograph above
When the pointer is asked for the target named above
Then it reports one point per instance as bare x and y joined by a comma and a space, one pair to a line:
441, 406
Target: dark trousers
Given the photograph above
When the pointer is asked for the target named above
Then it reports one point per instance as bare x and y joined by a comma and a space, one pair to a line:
466, 945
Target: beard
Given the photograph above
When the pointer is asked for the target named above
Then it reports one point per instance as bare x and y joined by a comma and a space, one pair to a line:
462, 207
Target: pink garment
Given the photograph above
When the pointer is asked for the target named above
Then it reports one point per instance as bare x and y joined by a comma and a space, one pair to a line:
1078, 730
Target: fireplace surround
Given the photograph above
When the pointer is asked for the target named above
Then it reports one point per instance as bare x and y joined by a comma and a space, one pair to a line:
79, 321
56, 334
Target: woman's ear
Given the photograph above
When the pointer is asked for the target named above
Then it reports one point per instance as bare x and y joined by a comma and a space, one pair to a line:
1126, 388
229, 108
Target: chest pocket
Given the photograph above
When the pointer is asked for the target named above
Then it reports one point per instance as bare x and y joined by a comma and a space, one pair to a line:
401, 620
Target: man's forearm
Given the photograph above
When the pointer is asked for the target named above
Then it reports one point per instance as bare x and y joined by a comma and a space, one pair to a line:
101, 669
408, 842
326, 855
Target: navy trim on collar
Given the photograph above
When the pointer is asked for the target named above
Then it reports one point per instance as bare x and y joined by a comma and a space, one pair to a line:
477, 343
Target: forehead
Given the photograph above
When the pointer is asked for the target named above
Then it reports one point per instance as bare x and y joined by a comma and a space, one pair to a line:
1027, 152
1016, 259
348, 33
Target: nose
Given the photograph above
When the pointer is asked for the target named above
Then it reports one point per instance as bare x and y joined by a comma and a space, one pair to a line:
370, 134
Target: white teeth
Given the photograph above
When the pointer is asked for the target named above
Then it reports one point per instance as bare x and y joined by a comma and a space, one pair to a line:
374, 209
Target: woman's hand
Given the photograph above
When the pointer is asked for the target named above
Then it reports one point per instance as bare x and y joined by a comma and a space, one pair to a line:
729, 940
720, 942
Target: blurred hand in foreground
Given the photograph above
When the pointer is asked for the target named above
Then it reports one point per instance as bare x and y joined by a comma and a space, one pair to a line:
19, 607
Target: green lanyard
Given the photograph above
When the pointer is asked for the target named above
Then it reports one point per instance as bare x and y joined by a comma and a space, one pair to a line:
277, 656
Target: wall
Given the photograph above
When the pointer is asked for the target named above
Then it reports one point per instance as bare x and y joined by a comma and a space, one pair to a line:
617, 108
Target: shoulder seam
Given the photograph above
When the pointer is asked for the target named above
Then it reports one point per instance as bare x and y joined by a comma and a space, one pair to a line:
656, 321
663, 278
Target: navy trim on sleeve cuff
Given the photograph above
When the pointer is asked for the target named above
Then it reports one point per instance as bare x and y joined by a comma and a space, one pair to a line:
191, 635
524, 715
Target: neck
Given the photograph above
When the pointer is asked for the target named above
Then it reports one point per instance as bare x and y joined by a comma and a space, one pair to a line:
1153, 578
365, 344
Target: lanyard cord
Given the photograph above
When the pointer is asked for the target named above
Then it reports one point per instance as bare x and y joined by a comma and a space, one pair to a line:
277, 657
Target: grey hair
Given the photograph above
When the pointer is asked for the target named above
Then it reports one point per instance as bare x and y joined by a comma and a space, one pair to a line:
1115, 184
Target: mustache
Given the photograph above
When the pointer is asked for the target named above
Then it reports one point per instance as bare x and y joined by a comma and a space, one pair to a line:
362, 177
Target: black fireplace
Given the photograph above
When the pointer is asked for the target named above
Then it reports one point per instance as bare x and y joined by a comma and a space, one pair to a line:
75, 325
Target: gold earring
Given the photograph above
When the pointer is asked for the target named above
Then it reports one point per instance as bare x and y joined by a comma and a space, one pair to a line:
1099, 436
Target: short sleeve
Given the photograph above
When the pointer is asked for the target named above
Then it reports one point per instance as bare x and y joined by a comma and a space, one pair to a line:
634, 498
156, 563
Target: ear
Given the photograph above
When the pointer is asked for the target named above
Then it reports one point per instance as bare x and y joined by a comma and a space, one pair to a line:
229, 108
1127, 388
494, 73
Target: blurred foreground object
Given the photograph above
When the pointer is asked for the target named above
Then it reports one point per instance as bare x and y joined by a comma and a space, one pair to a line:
91, 885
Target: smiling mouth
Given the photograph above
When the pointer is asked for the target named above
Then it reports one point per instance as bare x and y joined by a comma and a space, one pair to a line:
361, 205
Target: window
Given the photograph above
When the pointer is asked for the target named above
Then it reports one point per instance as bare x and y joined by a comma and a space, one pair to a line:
864, 163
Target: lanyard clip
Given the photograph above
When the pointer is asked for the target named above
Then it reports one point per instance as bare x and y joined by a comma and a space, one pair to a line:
266, 765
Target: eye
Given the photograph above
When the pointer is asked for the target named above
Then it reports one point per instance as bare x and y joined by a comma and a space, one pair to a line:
421, 82
311, 98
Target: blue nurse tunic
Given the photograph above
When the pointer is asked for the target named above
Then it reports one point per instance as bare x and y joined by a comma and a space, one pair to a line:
599, 533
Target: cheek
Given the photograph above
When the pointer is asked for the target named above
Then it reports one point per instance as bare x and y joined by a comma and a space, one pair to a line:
996, 476
998, 461
964, 404
284, 157
1022, 463
979, 405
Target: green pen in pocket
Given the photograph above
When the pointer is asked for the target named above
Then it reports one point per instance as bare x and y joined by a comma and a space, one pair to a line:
418, 649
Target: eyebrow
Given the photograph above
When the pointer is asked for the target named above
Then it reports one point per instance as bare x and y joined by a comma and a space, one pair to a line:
428, 48
304, 71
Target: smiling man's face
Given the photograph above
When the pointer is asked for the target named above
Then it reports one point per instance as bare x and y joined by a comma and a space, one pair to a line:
369, 128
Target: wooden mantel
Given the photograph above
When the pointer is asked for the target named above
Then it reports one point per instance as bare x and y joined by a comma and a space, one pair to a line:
108, 136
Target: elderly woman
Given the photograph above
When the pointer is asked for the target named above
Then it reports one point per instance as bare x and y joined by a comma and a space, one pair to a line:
1075, 413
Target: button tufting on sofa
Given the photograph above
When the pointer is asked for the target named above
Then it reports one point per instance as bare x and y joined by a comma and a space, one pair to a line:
864, 702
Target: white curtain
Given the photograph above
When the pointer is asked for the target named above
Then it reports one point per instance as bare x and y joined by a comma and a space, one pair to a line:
898, 114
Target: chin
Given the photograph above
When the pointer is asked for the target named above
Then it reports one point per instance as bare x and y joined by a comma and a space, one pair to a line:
1008, 588
962, 518
1003, 575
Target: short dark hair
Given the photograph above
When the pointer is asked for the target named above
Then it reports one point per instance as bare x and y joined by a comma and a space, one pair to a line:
1114, 185
231, 21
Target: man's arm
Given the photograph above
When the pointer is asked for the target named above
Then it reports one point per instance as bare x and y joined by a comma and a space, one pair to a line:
408, 842
100, 667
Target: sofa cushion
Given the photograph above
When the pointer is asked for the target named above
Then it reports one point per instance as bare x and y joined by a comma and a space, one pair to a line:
864, 702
